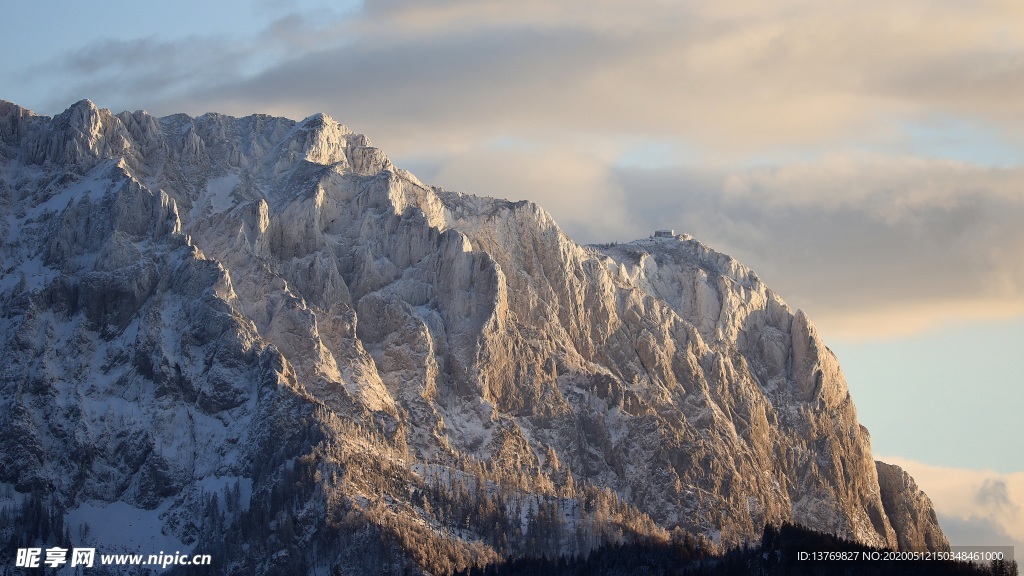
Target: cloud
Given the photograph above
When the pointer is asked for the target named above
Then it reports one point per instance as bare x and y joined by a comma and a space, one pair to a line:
889, 243
975, 531
573, 187
975, 507
162, 73
135, 73
993, 495
736, 78
868, 245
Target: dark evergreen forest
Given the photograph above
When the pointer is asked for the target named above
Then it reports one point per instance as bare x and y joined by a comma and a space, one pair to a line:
777, 555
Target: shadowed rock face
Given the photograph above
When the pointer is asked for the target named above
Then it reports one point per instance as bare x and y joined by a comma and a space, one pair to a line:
186, 300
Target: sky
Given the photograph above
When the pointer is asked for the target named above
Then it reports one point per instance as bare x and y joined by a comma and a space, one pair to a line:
865, 158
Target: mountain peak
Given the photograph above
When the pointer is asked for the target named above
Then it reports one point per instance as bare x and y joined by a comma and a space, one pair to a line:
81, 136
327, 140
319, 120
85, 105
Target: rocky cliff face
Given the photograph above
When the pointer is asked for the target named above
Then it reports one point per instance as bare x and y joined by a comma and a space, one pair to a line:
909, 510
260, 324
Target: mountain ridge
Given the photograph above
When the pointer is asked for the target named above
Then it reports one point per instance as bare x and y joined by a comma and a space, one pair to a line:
464, 343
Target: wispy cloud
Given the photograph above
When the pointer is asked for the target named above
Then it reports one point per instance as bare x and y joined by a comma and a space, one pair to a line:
994, 496
150, 65
574, 187
733, 76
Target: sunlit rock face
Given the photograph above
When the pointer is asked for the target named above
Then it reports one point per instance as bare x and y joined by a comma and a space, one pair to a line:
360, 366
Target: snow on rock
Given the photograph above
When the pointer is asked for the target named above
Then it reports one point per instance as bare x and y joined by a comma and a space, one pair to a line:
120, 528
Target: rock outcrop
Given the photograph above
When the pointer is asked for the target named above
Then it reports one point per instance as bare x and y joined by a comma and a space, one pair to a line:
909, 510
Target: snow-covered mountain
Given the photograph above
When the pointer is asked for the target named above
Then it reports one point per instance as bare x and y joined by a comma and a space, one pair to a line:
258, 338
